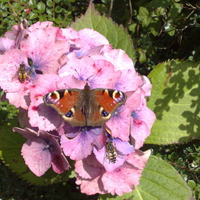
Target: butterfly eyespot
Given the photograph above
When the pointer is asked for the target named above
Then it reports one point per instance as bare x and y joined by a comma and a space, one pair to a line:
70, 114
51, 98
118, 96
104, 113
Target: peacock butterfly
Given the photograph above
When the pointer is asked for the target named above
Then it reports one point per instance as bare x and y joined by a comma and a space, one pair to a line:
85, 107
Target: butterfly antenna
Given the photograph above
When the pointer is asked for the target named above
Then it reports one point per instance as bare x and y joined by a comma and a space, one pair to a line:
94, 76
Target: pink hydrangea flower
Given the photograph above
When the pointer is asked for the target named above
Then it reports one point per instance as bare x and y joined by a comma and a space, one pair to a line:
93, 178
40, 59
41, 151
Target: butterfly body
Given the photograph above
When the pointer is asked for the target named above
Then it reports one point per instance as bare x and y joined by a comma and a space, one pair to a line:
85, 107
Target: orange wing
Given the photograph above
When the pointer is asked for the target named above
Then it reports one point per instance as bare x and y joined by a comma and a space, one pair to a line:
62, 100
109, 99
104, 103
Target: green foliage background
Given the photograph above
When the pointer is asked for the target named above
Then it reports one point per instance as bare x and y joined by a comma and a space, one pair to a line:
160, 31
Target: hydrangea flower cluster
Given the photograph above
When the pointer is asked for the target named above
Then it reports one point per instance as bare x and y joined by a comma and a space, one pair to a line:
40, 59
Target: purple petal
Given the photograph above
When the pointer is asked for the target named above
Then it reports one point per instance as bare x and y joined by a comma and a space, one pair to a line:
123, 147
102, 158
79, 147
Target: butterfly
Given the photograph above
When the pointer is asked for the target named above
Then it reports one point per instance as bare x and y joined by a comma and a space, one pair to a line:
22, 73
85, 107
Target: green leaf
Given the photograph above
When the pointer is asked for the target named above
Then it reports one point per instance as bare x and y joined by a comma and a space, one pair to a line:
171, 31
59, 19
49, 12
41, 7
155, 26
33, 15
116, 35
160, 11
159, 180
175, 9
58, 9
191, 183
132, 27
175, 101
10, 152
143, 17
158, 3
142, 56
50, 3
143, 14
33, 3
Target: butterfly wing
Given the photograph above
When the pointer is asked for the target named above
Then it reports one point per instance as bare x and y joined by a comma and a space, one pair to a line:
61, 100
64, 102
104, 103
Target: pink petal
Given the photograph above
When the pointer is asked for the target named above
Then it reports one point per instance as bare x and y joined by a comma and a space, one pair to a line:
122, 180
69, 81
78, 67
42, 142
93, 51
40, 115
5, 44
119, 59
19, 99
88, 176
23, 118
120, 124
129, 81
134, 99
40, 25
139, 131
9, 79
106, 76
27, 133
92, 37
18, 33
59, 162
69, 33
87, 170
143, 113
138, 158
91, 187
45, 53
37, 156
147, 86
